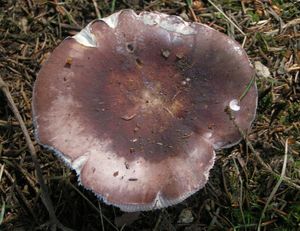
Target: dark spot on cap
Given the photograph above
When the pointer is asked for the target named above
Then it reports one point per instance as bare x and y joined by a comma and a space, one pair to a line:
116, 174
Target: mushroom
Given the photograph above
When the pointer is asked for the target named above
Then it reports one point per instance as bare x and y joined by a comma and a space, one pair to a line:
136, 105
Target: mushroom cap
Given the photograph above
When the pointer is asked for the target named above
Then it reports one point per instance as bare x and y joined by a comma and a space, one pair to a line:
136, 104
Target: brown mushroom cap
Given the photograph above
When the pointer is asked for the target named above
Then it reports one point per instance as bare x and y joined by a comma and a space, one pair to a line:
136, 105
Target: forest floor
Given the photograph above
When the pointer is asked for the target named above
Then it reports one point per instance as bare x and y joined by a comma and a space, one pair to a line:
244, 191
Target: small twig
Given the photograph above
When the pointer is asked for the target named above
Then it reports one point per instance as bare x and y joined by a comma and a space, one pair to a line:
1, 171
113, 5
291, 23
276, 186
157, 224
8, 123
222, 12
190, 7
193, 14
243, 7
44, 192
93, 206
22, 198
101, 216
225, 184
277, 17
31, 181
62, 10
241, 190
214, 219
244, 41
248, 87
2, 211
96, 9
